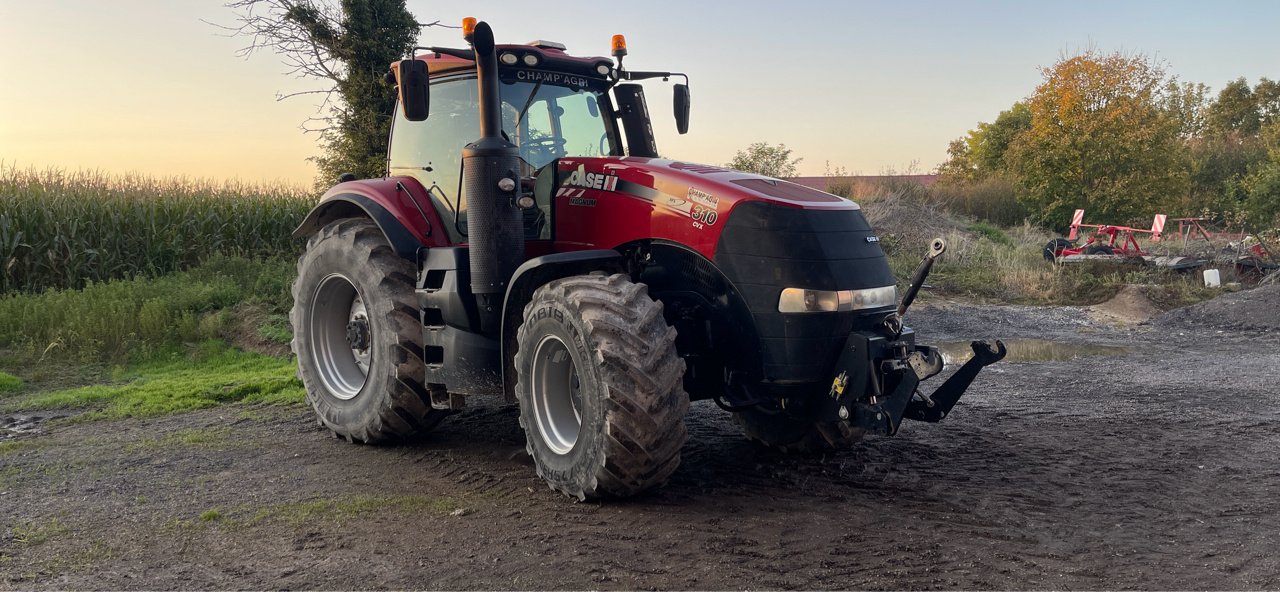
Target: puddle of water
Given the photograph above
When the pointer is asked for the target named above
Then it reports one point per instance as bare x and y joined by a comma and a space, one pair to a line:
12, 426
1031, 350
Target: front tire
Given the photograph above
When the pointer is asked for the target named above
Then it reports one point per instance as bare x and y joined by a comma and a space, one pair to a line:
599, 386
357, 336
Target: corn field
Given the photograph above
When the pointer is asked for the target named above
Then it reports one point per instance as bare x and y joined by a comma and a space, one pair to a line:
66, 229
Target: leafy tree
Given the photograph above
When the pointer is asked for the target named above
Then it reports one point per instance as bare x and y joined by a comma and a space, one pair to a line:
991, 141
349, 46
1218, 165
1229, 153
1099, 139
1267, 95
980, 154
1261, 187
1188, 103
1235, 110
764, 159
959, 167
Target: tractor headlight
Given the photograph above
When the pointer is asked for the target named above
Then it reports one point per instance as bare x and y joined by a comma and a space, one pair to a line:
802, 300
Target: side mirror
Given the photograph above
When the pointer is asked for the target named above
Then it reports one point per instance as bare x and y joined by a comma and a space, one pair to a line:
682, 107
414, 91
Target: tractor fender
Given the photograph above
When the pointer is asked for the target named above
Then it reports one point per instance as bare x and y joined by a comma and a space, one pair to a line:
406, 218
534, 273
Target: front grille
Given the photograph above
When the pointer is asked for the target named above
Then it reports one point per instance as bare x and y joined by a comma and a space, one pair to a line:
766, 247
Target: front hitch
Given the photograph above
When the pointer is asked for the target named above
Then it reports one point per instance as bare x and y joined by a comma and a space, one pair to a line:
935, 407
889, 367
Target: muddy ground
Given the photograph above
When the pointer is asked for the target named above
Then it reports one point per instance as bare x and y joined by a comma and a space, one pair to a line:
1156, 468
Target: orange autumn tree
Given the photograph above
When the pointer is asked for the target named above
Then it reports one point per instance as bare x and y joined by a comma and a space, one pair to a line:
1100, 139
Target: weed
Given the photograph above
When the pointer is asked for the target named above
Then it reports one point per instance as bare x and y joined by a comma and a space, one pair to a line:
38, 533
13, 446
9, 383
214, 438
212, 375
345, 508
340, 510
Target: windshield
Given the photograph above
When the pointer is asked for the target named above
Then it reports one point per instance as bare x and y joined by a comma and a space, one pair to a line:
547, 122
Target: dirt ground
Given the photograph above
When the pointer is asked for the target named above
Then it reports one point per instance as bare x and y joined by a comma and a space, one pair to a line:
1157, 468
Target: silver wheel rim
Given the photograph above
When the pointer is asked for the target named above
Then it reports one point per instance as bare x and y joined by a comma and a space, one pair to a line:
341, 357
557, 395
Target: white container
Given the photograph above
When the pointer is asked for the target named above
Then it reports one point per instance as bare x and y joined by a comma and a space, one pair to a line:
1212, 279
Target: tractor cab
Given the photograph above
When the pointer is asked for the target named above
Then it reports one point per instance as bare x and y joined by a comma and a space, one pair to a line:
552, 105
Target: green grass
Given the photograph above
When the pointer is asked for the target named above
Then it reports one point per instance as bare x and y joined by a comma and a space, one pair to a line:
213, 375
38, 533
212, 438
991, 233
135, 319
276, 329
13, 446
9, 383
345, 508
338, 510
67, 230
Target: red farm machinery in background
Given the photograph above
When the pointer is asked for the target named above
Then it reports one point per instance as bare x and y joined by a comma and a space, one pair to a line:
1105, 240
1108, 242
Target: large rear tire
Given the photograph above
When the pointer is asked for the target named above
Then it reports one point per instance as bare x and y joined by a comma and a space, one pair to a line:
357, 336
599, 386
787, 432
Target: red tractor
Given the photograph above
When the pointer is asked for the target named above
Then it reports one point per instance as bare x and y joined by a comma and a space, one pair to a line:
557, 262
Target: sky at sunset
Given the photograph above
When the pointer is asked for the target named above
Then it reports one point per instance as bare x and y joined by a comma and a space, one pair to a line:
134, 85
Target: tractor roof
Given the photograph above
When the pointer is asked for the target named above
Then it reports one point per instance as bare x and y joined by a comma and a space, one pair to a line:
550, 56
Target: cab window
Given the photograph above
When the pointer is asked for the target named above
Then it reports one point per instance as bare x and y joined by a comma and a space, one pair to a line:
431, 150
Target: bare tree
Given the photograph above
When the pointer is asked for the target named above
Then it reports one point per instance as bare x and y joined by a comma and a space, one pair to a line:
347, 47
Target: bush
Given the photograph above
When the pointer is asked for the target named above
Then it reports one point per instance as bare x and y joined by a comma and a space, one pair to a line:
133, 319
992, 200
991, 233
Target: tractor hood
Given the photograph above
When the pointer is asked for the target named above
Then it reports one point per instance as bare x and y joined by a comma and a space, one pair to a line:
687, 203
677, 178
763, 235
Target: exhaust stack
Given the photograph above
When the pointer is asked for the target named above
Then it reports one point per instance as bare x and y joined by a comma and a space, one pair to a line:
491, 180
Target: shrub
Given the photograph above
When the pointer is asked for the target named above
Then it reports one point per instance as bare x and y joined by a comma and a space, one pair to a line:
132, 319
992, 200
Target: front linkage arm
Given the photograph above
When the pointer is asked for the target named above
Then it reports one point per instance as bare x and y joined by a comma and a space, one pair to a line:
935, 407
